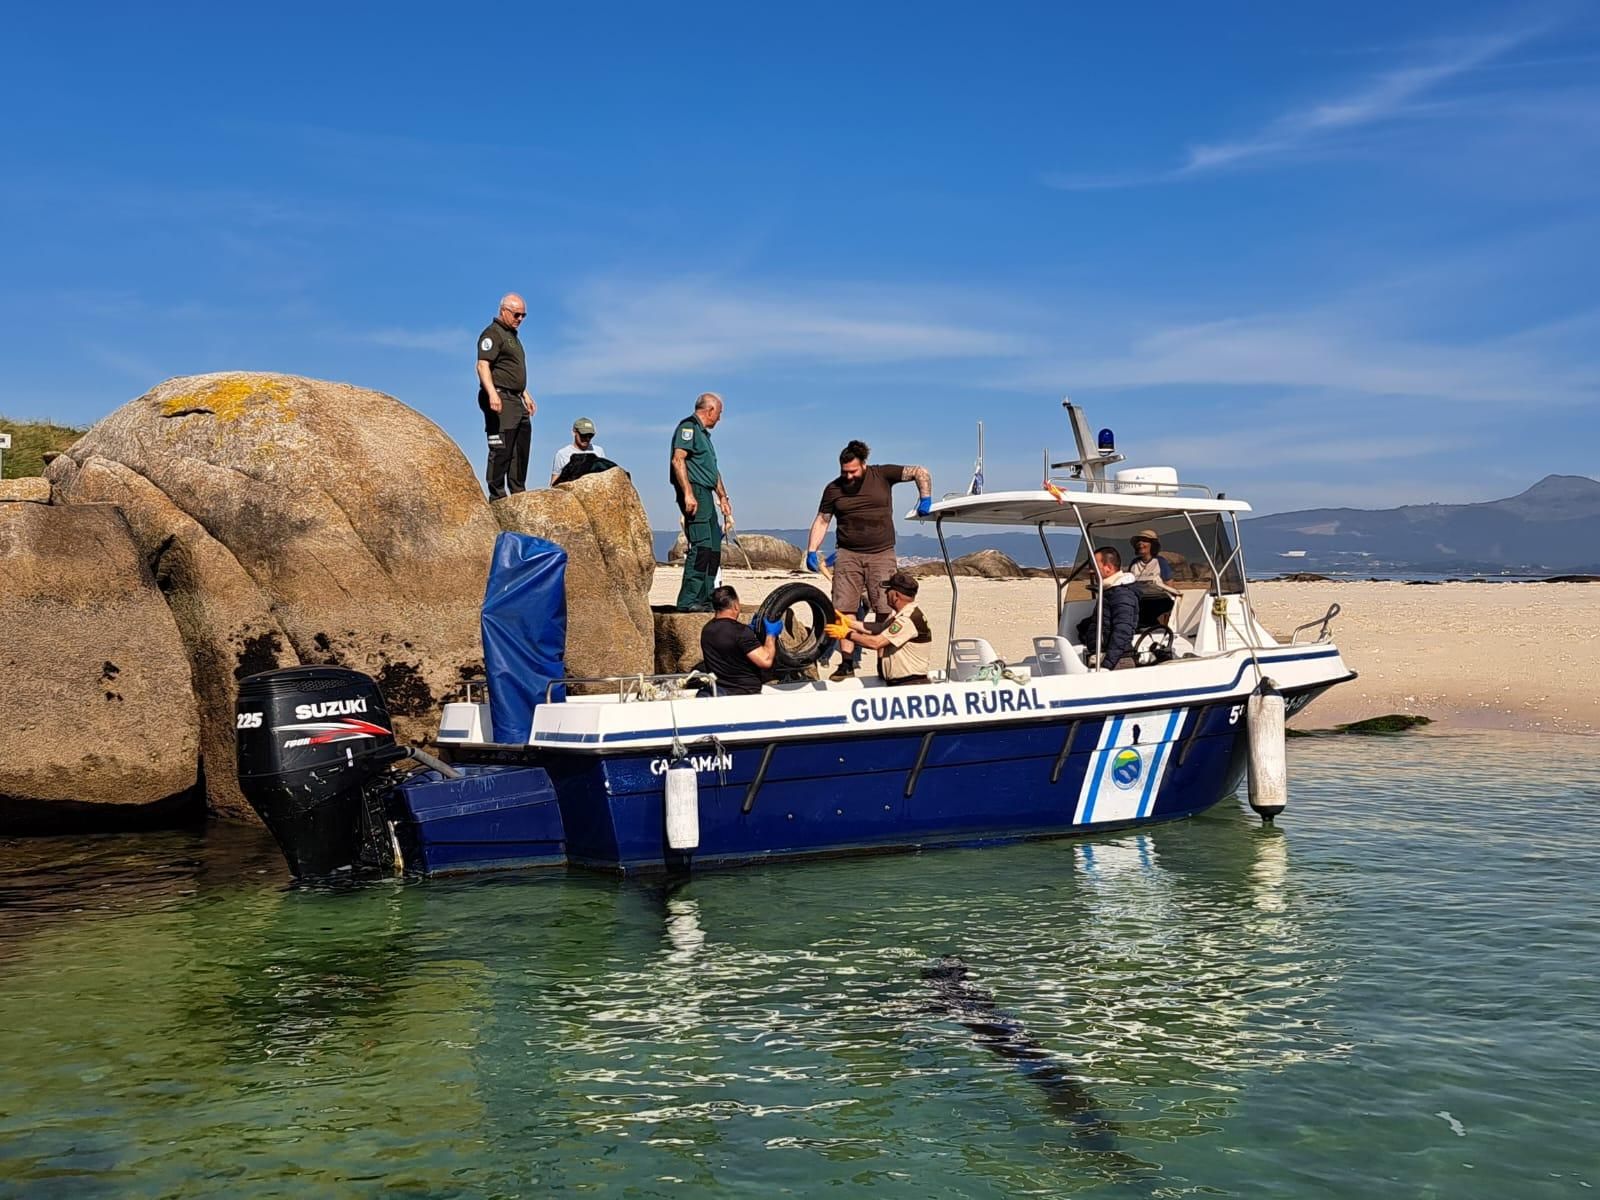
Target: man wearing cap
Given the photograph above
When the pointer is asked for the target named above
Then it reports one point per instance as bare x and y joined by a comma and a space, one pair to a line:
902, 639
861, 499
503, 398
697, 484
582, 443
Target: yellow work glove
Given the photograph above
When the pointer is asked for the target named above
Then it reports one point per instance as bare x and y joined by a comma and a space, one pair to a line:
838, 631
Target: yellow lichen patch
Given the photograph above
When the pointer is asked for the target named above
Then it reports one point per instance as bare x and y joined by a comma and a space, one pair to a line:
231, 397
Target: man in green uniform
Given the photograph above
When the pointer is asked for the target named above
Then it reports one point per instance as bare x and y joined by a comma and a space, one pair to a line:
698, 484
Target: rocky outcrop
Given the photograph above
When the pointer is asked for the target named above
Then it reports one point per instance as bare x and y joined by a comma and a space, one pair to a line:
292, 520
755, 551
96, 705
32, 489
600, 522
678, 640
982, 564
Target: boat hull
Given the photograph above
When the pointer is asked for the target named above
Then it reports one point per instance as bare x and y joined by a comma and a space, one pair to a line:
874, 793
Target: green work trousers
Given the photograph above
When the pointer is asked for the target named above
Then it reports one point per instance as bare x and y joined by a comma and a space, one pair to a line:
704, 559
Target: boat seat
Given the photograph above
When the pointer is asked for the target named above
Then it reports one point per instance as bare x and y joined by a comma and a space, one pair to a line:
968, 656
1057, 656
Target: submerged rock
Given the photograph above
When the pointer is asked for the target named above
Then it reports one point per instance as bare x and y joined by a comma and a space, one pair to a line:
293, 520
1388, 724
95, 696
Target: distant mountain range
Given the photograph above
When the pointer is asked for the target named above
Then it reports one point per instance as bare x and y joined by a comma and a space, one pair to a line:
1553, 527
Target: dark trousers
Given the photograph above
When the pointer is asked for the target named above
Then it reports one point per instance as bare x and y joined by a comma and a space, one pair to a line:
704, 558
510, 434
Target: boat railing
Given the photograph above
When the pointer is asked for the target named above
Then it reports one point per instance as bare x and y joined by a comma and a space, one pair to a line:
1320, 624
633, 688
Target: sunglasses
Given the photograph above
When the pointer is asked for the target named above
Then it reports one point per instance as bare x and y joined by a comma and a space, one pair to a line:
517, 315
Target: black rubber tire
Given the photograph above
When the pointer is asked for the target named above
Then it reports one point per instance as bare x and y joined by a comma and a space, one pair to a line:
817, 646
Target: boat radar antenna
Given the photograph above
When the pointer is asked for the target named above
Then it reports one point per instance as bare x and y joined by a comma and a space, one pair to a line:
1088, 466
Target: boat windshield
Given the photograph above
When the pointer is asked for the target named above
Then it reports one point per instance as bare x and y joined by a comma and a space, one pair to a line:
1196, 546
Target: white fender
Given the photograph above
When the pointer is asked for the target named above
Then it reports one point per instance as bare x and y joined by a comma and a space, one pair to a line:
1269, 768
683, 806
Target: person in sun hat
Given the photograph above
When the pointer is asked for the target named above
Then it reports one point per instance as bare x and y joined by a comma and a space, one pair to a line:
1152, 578
582, 443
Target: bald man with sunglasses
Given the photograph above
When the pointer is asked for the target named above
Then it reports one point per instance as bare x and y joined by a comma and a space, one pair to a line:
503, 398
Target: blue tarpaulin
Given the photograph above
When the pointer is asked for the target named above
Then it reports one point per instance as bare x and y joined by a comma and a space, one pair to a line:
524, 631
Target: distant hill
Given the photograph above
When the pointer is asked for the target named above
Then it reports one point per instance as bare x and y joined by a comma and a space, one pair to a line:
30, 441
1553, 526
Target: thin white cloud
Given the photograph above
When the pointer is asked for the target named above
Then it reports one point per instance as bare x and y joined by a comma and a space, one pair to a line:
1383, 98
626, 336
457, 342
1325, 351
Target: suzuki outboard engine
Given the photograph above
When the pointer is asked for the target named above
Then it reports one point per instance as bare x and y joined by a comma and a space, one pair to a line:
314, 747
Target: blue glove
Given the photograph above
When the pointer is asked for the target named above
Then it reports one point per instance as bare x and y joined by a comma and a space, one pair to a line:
773, 628
924, 506
812, 563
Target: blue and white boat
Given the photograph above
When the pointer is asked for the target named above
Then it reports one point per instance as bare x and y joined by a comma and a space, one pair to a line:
650, 774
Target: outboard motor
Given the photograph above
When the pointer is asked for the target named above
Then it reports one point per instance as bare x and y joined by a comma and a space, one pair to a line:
314, 748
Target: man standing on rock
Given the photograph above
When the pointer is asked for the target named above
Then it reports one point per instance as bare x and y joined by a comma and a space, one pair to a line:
697, 483
861, 498
503, 398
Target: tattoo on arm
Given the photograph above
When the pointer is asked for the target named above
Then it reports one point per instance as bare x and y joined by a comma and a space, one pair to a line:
923, 480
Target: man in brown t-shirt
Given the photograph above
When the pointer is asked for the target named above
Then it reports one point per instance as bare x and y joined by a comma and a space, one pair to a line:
861, 499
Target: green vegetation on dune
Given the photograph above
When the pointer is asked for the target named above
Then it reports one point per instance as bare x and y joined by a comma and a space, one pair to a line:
30, 442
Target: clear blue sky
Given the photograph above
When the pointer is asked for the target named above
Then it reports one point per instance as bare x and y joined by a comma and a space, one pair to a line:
1343, 253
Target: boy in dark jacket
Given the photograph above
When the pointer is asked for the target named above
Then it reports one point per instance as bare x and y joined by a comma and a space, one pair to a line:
1120, 603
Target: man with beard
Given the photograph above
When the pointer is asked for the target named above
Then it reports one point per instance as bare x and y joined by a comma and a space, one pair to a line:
862, 501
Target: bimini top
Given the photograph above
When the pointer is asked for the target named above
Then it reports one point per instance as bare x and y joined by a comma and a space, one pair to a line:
1043, 508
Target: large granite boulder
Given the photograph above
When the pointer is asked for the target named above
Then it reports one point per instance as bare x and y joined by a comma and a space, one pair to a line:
756, 551
100, 722
981, 564
292, 520
29, 490
600, 522
678, 640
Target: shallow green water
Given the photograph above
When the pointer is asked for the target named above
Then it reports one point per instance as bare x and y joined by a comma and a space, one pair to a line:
1397, 992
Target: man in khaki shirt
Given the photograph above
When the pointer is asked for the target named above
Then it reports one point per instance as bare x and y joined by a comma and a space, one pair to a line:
901, 640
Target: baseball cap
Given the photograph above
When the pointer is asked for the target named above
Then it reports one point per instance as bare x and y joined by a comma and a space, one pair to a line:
583, 425
903, 583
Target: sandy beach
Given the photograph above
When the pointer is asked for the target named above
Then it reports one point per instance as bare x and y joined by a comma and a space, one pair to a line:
1468, 655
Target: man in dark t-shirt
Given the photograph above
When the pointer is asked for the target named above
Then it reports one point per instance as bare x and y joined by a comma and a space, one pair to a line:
731, 649
503, 398
862, 501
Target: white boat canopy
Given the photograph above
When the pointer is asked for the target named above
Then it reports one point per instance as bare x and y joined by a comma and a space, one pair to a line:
1042, 508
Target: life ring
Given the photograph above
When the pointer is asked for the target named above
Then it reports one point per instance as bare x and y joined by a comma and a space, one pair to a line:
803, 643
